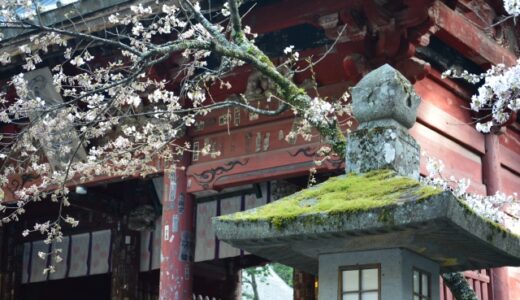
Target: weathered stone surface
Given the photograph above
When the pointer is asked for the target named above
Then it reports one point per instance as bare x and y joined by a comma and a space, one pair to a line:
384, 97
385, 105
341, 195
439, 227
383, 148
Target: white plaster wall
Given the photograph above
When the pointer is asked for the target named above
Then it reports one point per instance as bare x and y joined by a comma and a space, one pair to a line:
412, 260
396, 272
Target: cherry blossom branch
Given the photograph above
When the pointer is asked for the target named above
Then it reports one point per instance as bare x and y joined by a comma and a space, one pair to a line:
78, 34
236, 22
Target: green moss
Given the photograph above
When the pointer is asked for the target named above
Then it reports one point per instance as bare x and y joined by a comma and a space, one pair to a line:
386, 216
496, 227
339, 195
449, 262
426, 192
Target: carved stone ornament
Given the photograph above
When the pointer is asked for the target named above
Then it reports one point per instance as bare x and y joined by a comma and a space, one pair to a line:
385, 105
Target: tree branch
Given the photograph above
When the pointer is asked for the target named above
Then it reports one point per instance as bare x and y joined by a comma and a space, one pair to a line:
458, 286
206, 23
84, 36
236, 22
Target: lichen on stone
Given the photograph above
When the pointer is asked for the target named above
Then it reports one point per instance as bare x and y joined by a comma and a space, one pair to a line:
339, 195
386, 147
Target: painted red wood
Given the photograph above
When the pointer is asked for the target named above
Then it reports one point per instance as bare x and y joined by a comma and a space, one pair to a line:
486, 288
460, 33
510, 150
449, 295
510, 181
510, 159
287, 162
471, 283
96, 180
491, 164
511, 138
450, 84
477, 286
211, 120
176, 276
447, 113
492, 176
441, 290
485, 292
458, 160
292, 12
500, 281
478, 280
514, 280
449, 99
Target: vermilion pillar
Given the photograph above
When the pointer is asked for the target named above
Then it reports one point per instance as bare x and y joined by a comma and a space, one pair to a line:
491, 174
176, 279
491, 164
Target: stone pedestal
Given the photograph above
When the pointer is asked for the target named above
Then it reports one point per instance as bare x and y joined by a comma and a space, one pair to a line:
386, 147
396, 272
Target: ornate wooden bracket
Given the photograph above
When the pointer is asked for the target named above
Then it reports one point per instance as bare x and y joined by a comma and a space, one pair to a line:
207, 177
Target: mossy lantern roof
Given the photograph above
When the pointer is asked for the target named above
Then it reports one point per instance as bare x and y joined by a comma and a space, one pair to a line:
379, 205
376, 210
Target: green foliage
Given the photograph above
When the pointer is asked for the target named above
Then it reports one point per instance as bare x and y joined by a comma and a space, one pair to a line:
251, 276
261, 273
285, 272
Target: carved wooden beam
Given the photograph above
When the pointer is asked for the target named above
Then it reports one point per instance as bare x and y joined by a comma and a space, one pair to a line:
457, 31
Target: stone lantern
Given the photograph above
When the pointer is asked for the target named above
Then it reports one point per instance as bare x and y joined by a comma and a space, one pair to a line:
376, 233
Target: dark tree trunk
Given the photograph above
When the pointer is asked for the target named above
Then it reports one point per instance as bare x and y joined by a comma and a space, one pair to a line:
254, 286
459, 286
